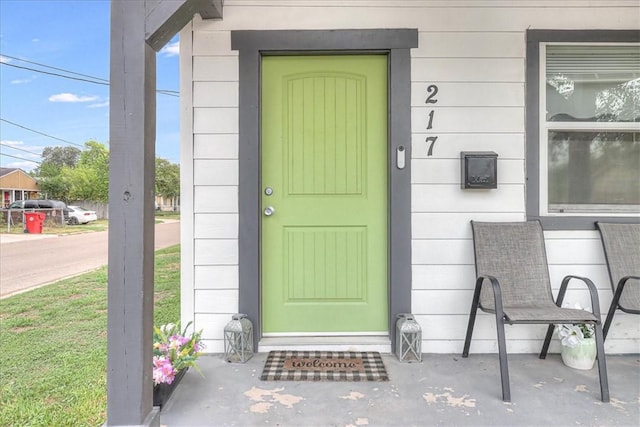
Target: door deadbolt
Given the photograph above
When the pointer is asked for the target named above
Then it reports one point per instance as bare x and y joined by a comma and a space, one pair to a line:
268, 191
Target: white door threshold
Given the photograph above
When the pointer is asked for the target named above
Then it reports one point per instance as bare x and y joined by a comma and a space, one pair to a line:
381, 344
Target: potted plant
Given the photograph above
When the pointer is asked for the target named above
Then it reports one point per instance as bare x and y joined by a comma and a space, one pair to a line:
578, 349
174, 351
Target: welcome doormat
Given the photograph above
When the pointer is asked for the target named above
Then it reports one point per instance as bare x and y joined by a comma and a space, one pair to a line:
324, 366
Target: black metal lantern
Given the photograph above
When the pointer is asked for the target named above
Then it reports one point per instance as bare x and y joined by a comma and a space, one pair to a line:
238, 339
408, 338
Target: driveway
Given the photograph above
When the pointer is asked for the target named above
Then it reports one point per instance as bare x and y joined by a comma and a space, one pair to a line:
33, 260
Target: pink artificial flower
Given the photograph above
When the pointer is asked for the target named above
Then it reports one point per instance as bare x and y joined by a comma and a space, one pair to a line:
163, 371
177, 341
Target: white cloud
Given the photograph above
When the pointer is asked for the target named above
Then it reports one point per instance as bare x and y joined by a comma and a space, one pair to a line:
21, 81
35, 40
70, 97
99, 105
172, 49
4, 59
11, 143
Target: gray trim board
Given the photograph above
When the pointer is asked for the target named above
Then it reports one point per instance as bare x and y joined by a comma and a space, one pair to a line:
251, 46
534, 38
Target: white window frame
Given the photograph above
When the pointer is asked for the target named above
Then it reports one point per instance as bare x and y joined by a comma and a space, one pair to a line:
537, 126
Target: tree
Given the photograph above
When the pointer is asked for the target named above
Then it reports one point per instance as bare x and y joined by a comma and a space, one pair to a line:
91, 176
167, 179
55, 158
50, 177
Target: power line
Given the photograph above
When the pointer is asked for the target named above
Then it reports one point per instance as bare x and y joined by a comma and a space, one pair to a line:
89, 79
54, 68
41, 133
19, 158
55, 74
20, 149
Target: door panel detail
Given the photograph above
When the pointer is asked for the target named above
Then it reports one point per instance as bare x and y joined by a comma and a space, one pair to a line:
325, 264
325, 133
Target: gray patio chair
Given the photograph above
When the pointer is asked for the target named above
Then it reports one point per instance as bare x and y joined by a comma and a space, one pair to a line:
512, 281
621, 244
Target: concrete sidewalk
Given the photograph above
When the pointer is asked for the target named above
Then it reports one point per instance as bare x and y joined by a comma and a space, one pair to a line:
442, 390
23, 237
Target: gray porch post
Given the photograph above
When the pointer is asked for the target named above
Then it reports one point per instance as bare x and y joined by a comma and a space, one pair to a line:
137, 28
131, 218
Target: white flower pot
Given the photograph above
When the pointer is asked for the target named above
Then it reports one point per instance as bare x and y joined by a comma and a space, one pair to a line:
581, 356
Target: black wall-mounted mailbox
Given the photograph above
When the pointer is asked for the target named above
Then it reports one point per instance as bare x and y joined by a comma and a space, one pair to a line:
479, 169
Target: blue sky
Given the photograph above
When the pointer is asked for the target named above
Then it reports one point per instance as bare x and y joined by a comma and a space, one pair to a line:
72, 36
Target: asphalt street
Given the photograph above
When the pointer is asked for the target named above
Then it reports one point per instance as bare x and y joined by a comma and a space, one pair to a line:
32, 260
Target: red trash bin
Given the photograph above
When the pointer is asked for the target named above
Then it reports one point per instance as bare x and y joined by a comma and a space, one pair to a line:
34, 222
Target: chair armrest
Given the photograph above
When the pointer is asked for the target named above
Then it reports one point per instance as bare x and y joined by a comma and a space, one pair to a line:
497, 292
621, 284
625, 279
593, 291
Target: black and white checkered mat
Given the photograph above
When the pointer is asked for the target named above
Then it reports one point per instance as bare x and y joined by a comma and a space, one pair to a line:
324, 366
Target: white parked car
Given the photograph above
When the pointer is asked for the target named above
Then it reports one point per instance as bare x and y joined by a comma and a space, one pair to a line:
78, 215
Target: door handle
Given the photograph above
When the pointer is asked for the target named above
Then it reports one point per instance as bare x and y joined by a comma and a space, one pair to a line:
269, 210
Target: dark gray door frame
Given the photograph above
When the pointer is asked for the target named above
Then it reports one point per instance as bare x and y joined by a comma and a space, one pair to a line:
396, 43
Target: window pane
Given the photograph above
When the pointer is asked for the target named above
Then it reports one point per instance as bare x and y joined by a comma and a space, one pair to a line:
594, 171
593, 83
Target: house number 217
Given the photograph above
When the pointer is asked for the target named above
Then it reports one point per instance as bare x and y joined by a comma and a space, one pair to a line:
432, 91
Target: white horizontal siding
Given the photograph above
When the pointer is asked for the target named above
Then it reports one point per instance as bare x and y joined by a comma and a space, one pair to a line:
215, 120
215, 172
215, 199
451, 198
470, 94
216, 277
220, 226
470, 45
431, 16
476, 120
215, 146
447, 171
425, 4
502, 70
474, 51
445, 334
454, 225
215, 94
215, 69
507, 145
218, 301
215, 252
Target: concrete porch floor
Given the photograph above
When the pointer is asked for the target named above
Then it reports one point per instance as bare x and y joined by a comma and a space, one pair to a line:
444, 389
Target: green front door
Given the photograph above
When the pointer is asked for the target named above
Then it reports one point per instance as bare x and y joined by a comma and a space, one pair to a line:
324, 194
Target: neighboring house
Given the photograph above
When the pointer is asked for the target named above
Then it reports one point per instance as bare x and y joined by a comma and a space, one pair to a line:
163, 203
357, 129
16, 184
321, 184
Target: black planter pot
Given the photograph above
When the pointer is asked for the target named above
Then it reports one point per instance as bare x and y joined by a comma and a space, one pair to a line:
162, 392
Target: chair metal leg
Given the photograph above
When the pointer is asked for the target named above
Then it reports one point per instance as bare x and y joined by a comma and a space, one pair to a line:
472, 317
602, 364
547, 341
613, 307
502, 351
609, 319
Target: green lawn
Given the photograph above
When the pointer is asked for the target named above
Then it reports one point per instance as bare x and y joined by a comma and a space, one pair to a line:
54, 344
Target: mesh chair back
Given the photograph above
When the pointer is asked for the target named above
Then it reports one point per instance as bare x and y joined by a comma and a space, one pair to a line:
514, 253
622, 249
